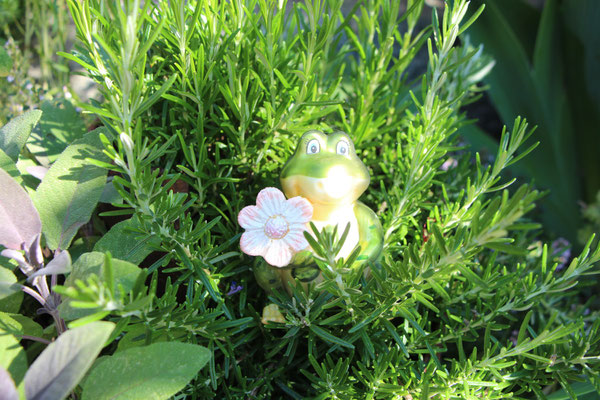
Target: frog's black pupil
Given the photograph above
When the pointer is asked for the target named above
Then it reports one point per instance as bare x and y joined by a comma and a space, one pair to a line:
343, 150
313, 149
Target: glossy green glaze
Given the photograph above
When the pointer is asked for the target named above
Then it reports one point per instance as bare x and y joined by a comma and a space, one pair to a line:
326, 170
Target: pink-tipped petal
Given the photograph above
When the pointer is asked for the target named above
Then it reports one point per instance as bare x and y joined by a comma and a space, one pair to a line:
251, 217
254, 243
278, 254
295, 239
298, 210
271, 200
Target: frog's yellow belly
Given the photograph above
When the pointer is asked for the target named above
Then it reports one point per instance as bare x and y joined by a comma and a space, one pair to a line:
342, 219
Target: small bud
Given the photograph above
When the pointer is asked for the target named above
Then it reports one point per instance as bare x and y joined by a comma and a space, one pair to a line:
126, 141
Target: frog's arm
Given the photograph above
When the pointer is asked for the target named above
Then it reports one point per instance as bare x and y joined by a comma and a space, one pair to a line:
267, 276
370, 233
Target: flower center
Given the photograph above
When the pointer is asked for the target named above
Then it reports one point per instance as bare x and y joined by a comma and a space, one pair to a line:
276, 227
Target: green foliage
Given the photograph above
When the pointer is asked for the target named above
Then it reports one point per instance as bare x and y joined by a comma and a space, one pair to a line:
70, 191
6, 62
546, 76
203, 103
136, 374
10, 293
14, 134
58, 369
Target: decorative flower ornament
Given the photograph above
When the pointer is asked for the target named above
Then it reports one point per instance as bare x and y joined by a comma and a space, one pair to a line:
274, 226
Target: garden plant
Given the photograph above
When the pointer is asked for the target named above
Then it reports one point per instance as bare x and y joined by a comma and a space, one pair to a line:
121, 273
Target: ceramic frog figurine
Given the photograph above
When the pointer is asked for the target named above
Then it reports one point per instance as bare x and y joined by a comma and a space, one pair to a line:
326, 171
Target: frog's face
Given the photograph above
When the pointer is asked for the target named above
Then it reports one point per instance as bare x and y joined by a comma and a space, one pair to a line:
325, 170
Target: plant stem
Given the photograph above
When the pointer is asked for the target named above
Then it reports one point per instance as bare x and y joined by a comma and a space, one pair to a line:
36, 339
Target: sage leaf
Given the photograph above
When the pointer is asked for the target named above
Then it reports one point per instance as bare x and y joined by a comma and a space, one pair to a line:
70, 190
136, 374
11, 295
122, 244
59, 126
65, 361
125, 275
19, 325
13, 135
19, 220
8, 165
12, 356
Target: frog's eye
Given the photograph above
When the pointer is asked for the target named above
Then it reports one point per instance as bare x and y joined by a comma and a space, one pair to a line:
313, 147
342, 148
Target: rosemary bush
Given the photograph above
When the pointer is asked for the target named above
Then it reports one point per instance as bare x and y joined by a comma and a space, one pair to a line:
202, 104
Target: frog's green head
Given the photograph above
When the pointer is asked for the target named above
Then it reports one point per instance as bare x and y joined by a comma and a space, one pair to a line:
325, 169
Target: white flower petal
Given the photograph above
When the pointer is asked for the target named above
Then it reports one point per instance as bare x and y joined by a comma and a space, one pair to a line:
295, 239
298, 210
271, 200
254, 243
251, 217
278, 254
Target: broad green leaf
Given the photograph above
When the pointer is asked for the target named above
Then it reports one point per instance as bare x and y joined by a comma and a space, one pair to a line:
152, 372
12, 356
19, 325
583, 391
19, 220
59, 126
11, 295
70, 191
125, 275
136, 336
110, 194
582, 50
9, 390
27, 325
123, 244
65, 361
6, 62
9, 166
61, 120
13, 135
515, 89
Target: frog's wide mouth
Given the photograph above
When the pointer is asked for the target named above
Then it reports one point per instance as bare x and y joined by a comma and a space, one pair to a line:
337, 188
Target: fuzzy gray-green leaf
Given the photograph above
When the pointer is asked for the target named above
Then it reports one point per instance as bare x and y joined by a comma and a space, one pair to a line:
136, 373
70, 191
65, 361
14, 134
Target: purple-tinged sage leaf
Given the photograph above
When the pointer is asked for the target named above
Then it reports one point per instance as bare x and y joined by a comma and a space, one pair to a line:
69, 192
19, 220
65, 361
61, 264
9, 390
14, 134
